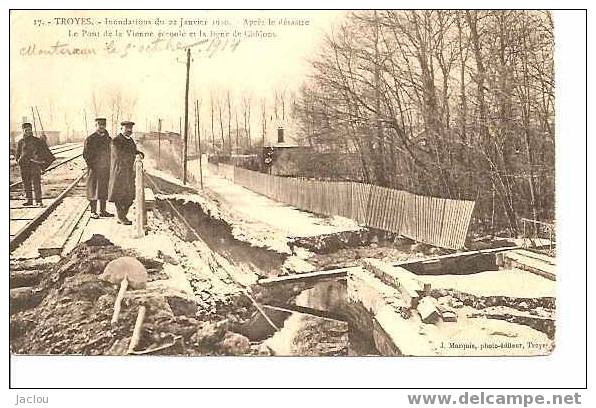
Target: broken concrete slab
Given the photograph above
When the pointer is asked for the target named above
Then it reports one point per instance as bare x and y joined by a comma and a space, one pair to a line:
427, 307
404, 281
447, 315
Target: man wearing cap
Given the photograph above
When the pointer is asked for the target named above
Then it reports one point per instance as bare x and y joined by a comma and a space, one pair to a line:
96, 153
121, 189
28, 155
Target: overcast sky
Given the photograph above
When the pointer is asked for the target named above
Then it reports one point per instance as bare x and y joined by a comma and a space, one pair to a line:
62, 85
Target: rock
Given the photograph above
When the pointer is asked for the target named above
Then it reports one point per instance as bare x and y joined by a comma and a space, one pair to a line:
419, 247
434, 251
208, 334
444, 300
234, 344
105, 302
448, 315
98, 240
456, 303
91, 288
261, 350
19, 326
182, 306
428, 310
167, 258
294, 265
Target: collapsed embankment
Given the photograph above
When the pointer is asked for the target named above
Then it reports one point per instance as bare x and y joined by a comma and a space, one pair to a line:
73, 308
70, 307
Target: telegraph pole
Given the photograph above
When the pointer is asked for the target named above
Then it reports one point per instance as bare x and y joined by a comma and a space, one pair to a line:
158, 144
34, 122
185, 150
85, 118
198, 134
39, 117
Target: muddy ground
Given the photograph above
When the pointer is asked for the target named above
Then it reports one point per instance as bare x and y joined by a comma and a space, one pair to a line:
72, 309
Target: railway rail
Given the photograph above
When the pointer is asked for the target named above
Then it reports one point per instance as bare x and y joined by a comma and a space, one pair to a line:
59, 181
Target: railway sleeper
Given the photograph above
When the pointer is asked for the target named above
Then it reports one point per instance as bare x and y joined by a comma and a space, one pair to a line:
24, 298
19, 279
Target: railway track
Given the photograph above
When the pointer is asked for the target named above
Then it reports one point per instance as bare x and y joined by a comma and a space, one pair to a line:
64, 201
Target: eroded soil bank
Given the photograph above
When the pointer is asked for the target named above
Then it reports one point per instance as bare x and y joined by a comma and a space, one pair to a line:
74, 308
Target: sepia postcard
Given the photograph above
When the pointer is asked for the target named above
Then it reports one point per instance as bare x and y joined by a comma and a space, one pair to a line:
282, 183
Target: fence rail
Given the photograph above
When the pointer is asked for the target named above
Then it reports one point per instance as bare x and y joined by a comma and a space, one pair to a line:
436, 221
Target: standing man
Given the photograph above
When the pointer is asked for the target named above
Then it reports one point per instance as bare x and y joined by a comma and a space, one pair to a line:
122, 173
96, 153
29, 156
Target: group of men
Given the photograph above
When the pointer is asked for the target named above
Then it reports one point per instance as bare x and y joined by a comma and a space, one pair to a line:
110, 168
33, 156
111, 172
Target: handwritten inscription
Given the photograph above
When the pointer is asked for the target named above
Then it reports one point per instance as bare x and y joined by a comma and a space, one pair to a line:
204, 47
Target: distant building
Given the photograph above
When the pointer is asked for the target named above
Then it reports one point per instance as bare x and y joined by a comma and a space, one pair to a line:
282, 153
165, 135
282, 133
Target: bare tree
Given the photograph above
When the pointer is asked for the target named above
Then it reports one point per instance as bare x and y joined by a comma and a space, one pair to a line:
456, 104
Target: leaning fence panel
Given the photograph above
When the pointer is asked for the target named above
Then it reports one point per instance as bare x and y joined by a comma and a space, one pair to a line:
436, 221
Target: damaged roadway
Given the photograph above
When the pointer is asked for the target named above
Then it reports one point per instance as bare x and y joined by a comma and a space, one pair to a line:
196, 297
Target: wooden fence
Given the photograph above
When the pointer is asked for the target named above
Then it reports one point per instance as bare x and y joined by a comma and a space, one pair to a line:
436, 221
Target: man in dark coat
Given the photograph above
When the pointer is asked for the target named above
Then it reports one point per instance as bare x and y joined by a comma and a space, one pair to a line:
30, 156
121, 189
96, 153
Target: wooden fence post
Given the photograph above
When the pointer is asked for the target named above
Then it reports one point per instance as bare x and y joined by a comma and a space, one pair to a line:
139, 197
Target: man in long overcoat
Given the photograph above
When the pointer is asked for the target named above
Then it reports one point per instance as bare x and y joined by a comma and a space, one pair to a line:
96, 153
122, 173
32, 159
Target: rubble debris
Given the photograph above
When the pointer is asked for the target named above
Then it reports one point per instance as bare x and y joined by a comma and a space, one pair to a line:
75, 307
447, 315
542, 324
182, 306
294, 265
482, 302
404, 281
428, 310
329, 243
234, 344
